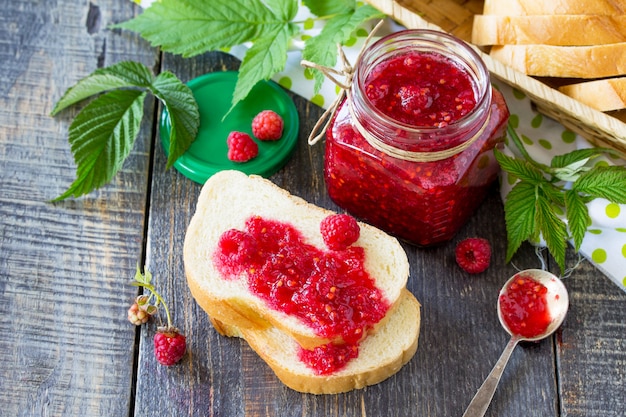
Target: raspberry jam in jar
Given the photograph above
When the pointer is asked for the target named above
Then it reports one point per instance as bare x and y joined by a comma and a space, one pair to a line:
410, 150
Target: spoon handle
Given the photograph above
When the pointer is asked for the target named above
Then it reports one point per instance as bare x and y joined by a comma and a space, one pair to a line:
479, 404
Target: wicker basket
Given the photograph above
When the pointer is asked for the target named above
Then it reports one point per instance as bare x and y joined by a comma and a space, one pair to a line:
456, 17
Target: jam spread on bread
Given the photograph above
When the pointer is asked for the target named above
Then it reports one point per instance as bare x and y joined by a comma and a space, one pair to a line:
329, 290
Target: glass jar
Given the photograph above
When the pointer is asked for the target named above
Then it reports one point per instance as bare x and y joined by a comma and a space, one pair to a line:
410, 150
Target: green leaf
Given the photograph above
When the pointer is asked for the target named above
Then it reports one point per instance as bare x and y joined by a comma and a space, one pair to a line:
142, 279
322, 49
553, 230
520, 216
578, 218
580, 154
192, 27
605, 182
120, 75
324, 8
101, 137
183, 112
283, 9
553, 193
266, 57
575, 156
520, 168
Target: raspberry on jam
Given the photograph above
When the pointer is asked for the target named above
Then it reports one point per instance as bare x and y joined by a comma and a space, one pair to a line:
441, 94
328, 290
339, 231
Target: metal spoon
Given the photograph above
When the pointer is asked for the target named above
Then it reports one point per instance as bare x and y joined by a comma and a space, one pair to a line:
558, 302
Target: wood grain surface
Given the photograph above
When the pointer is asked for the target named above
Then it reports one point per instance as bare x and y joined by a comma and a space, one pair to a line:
65, 268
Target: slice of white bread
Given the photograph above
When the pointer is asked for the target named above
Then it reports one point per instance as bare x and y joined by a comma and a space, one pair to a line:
226, 201
564, 30
538, 7
607, 94
596, 61
381, 354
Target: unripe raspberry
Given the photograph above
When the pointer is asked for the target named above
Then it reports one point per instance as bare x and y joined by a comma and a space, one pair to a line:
138, 316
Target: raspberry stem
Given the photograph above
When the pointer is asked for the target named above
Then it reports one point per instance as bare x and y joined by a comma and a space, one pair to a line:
144, 281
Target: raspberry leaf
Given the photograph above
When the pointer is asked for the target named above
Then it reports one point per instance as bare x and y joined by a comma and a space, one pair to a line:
101, 137
192, 27
329, 7
520, 168
120, 75
553, 229
182, 110
605, 182
322, 49
265, 57
104, 132
283, 9
520, 217
561, 161
577, 216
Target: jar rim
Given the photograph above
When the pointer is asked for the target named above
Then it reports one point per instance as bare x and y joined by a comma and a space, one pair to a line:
449, 46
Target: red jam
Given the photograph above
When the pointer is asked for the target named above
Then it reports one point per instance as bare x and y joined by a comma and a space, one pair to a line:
420, 102
329, 358
441, 94
524, 307
328, 290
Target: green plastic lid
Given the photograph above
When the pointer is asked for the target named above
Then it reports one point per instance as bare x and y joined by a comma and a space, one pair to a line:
207, 154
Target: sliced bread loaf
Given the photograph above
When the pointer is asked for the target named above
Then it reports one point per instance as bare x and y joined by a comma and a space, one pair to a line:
607, 94
564, 30
380, 355
596, 61
227, 201
539, 7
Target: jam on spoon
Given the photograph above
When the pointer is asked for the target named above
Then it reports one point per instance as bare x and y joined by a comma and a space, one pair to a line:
531, 306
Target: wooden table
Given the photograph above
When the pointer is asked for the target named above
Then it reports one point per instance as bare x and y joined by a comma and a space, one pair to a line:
67, 348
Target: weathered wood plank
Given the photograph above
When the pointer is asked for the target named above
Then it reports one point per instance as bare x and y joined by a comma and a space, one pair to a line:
65, 267
592, 346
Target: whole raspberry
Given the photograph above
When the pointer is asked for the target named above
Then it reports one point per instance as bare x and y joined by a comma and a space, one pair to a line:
339, 231
241, 147
267, 125
473, 254
169, 345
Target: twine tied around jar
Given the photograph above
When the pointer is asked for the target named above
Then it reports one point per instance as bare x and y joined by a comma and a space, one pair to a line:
347, 71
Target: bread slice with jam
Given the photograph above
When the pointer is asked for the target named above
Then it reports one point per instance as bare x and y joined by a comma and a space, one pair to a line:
248, 294
379, 356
